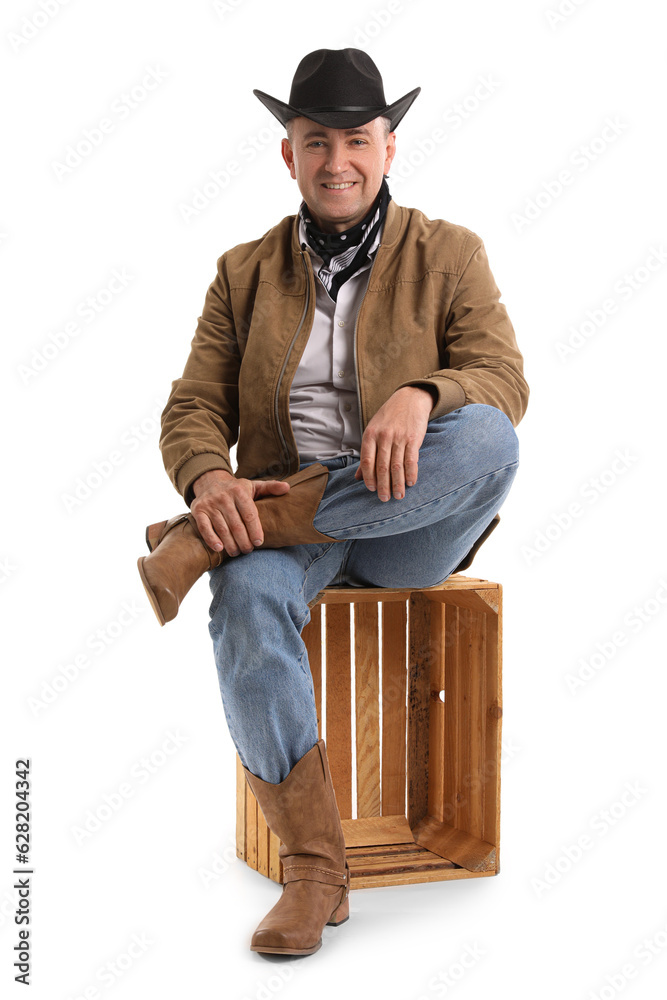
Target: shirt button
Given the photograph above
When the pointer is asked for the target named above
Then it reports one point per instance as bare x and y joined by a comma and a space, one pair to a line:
340, 374
348, 406
341, 322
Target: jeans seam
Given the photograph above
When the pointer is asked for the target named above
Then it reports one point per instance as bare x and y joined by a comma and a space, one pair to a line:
299, 623
423, 506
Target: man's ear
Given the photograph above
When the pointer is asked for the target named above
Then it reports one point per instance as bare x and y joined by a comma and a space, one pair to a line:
288, 157
390, 152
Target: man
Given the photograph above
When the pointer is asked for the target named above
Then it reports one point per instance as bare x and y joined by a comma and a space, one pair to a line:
361, 356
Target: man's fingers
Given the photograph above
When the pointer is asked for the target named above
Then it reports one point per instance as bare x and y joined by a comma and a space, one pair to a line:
270, 487
250, 517
206, 531
383, 470
231, 527
398, 470
367, 461
411, 463
230, 520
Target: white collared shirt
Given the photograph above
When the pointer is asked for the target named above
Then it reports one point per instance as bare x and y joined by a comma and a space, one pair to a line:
324, 405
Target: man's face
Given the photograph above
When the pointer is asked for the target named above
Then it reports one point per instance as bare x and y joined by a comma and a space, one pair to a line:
321, 159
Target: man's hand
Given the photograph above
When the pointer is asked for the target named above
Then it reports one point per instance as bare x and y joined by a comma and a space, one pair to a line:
225, 510
391, 442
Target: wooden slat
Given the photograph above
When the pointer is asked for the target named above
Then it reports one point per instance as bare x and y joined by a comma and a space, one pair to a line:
400, 864
262, 845
451, 716
240, 810
471, 747
251, 810
421, 873
376, 830
349, 595
384, 852
436, 726
459, 846
419, 625
493, 721
339, 705
462, 818
275, 864
473, 600
312, 637
394, 679
367, 708
475, 783
403, 864
370, 595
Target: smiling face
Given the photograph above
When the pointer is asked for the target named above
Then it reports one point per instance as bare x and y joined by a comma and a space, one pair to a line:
339, 171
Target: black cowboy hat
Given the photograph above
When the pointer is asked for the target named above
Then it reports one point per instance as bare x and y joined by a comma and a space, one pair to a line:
338, 88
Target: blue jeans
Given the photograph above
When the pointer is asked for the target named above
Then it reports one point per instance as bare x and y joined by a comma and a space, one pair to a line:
467, 463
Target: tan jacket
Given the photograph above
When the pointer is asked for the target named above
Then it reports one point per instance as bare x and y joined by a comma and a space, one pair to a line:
431, 315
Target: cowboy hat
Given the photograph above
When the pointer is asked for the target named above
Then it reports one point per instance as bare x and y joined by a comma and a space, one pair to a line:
338, 88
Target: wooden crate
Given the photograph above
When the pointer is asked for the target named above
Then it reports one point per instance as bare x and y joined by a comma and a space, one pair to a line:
413, 711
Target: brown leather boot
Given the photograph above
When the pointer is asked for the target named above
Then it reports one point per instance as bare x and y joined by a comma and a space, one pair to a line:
302, 811
179, 555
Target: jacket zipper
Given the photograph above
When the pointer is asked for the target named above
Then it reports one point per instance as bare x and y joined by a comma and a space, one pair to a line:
289, 351
354, 343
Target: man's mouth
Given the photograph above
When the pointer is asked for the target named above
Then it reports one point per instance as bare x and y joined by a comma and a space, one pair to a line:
339, 187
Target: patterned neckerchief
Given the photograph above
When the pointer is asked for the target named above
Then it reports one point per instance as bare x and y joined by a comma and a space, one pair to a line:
343, 254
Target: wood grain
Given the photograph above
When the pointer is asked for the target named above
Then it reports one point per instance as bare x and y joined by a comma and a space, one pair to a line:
436, 724
458, 846
240, 810
251, 811
367, 708
419, 626
394, 712
339, 705
376, 830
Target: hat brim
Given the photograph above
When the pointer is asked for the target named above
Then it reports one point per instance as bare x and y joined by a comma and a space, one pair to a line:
339, 119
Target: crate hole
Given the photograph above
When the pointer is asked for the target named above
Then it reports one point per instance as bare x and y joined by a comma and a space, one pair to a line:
441, 695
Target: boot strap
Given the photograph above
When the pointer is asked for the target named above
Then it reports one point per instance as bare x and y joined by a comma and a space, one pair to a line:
313, 873
313, 868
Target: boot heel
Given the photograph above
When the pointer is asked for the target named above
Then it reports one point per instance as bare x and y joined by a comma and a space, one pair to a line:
342, 913
153, 532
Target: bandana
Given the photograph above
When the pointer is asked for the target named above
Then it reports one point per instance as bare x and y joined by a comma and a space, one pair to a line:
343, 254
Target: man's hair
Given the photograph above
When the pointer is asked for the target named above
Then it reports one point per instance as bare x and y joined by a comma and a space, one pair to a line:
386, 124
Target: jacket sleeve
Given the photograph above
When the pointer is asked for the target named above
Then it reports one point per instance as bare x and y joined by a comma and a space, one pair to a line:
200, 421
478, 344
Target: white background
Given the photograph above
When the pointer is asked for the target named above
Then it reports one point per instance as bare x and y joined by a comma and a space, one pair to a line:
592, 443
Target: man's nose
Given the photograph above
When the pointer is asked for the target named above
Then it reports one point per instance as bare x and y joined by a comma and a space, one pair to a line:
337, 160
